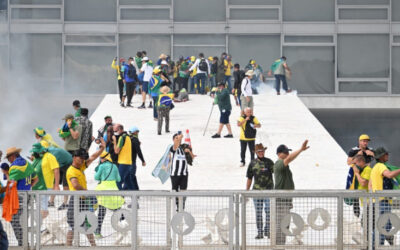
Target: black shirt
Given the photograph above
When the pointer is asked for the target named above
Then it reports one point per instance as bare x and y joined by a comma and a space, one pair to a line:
179, 163
354, 151
136, 151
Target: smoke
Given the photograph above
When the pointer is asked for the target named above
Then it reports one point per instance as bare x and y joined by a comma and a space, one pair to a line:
268, 88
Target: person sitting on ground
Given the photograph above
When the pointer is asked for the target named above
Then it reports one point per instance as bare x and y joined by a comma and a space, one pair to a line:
77, 181
44, 138
223, 100
248, 124
164, 105
181, 95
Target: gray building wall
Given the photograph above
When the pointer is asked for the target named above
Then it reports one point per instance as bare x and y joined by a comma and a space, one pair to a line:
334, 47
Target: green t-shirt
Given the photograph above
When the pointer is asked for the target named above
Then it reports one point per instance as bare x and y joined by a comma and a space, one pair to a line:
78, 112
41, 185
283, 176
261, 170
63, 157
72, 144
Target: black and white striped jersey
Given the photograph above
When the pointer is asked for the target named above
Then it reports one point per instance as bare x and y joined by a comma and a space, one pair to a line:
179, 164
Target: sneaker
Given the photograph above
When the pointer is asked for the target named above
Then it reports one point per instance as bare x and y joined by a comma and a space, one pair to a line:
98, 236
50, 204
216, 136
156, 119
167, 131
267, 234
123, 105
259, 236
242, 164
150, 105
142, 106
63, 206
228, 136
278, 93
129, 106
289, 90
159, 133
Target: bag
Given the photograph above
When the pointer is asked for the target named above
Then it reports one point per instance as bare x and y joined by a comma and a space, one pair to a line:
131, 72
250, 131
203, 66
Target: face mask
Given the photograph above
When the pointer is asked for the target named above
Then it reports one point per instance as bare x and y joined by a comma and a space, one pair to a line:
132, 62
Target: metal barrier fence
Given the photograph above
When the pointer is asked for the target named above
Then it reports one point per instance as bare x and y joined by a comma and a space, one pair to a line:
207, 220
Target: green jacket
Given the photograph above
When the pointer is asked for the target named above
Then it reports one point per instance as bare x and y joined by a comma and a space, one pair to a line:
224, 100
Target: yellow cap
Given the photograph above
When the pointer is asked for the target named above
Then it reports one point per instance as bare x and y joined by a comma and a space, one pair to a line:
106, 155
192, 58
156, 70
210, 58
253, 62
364, 137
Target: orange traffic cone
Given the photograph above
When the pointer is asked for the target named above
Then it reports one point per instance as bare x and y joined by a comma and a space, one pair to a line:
187, 138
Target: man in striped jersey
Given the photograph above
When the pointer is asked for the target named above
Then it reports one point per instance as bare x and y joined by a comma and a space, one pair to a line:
179, 166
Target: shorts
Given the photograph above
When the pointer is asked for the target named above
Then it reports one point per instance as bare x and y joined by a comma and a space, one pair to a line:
246, 104
179, 182
70, 211
63, 176
224, 118
145, 87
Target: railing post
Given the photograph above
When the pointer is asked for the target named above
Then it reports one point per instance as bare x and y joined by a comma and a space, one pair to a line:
134, 222
38, 220
244, 222
76, 212
24, 220
370, 225
238, 199
168, 229
339, 238
272, 219
32, 210
231, 221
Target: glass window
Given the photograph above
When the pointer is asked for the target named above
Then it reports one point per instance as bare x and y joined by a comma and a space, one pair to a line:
39, 55
86, 71
309, 10
90, 10
396, 70
396, 39
313, 69
3, 16
263, 49
145, 14
255, 2
35, 1
145, 2
208, 51
309, 39
206, 39
357, 14
199, 11
89, 39
45, 13
363, 2
396, 10
254, 14
154, 45
362, 86
363, 55
3, 65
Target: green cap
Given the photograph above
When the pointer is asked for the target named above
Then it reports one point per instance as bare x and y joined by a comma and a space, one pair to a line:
40, 131
37, 148
379, 152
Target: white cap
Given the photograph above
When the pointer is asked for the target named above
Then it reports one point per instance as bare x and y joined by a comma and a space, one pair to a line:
249, 72
145, 58
164, 62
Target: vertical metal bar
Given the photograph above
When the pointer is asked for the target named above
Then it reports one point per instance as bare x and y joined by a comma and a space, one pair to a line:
180, 237
273, 220
38, 220
63, 48
231, 221
238, 199
339, 238
243, 229
365, 221
32, 231
76, 212
335, 37
9, 43
134, 222
370, 223
168, 224
389, 89
375, 227
25, 220
117, 38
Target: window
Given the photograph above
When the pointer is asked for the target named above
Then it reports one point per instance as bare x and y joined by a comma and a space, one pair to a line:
145, 2
154, 45
363, 14
396, 11
90, 10
363, 86
35, 1
254, 14
195, 39
86, 71
308, 10
308, 39
255, 2
208, 51
89, 39
363, 55
396, 70
313, 69
364, 2
145, 14
263, 49
36, 13
199, 11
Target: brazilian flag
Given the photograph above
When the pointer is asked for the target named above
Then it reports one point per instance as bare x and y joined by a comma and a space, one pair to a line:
20, 169
395, 180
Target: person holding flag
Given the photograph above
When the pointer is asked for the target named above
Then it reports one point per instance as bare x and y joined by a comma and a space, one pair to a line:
164, 105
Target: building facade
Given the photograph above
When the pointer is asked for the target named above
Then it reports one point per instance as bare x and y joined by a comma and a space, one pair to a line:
336, 48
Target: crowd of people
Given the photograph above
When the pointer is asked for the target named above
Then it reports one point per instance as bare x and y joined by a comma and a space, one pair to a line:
50, 166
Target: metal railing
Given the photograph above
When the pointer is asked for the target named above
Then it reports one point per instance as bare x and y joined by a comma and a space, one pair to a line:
207, 220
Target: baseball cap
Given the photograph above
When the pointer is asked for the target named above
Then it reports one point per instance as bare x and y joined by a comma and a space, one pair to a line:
283, 149
364, 137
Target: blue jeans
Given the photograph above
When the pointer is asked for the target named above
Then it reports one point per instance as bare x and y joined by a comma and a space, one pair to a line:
128, 177
155, 103
191, 85
258, 205
278, 79
200, 80
227, 79
212, 82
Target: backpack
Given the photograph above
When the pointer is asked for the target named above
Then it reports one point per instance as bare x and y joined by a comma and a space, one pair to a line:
203, 66
250, 131
131, 71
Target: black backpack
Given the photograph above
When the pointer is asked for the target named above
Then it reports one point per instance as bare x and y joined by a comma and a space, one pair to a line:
131, 72
203, 65
250, 131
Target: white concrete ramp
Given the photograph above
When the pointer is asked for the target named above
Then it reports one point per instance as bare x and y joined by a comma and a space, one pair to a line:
285, 119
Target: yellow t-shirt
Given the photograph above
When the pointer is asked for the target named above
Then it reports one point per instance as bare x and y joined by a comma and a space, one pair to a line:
228, 66
79, 174
377, 177
366, 175
49, 163
243, 127
125, 155
44, 143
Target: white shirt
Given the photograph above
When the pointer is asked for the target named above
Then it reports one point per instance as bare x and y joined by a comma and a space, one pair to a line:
148, 72
196, 65
246, 87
